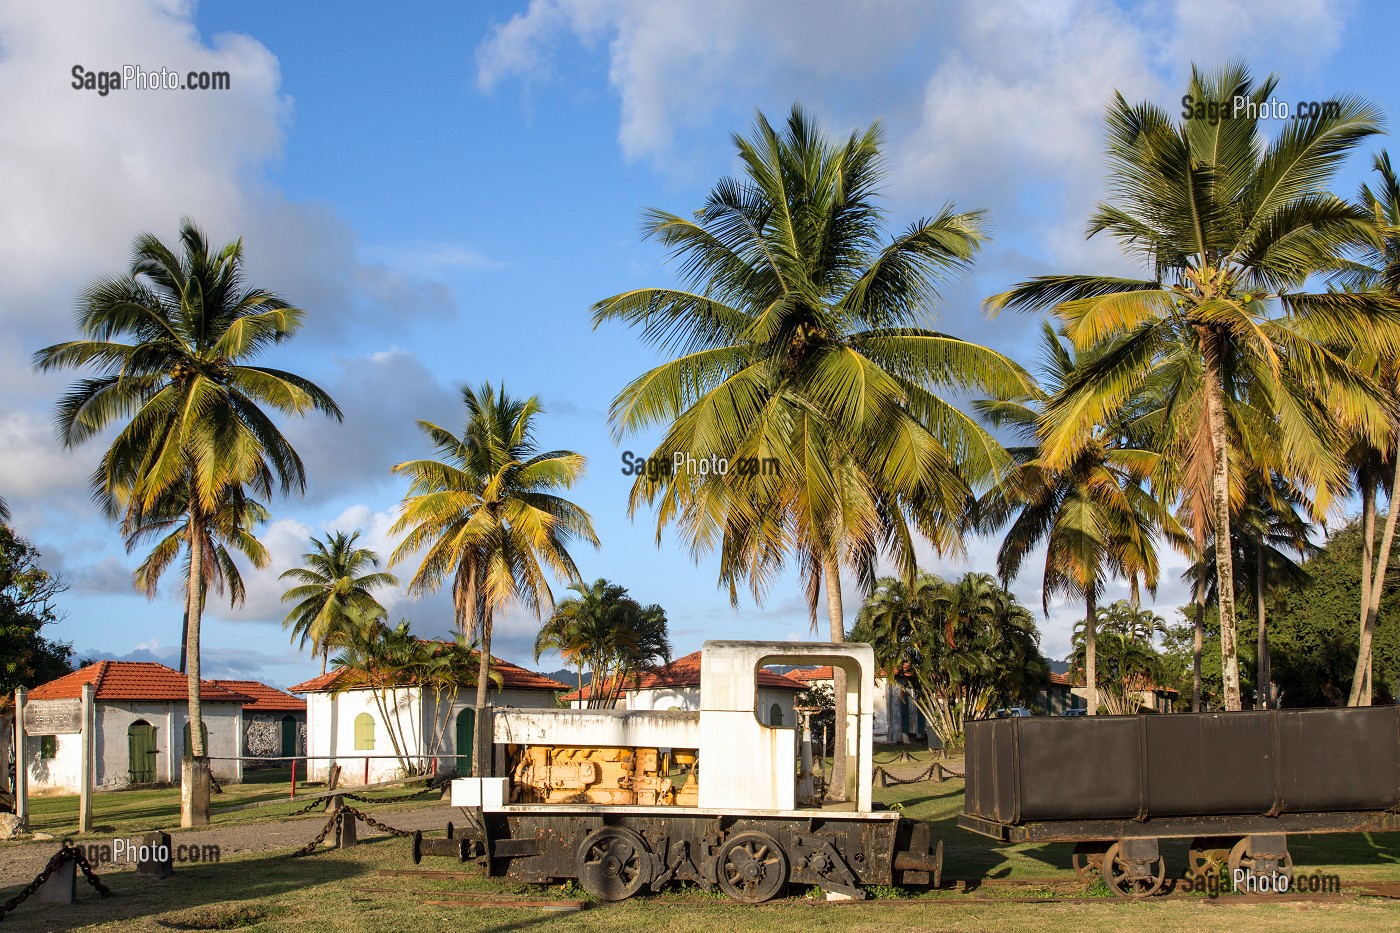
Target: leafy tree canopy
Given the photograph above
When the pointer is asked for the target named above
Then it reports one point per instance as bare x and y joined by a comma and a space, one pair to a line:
27, 593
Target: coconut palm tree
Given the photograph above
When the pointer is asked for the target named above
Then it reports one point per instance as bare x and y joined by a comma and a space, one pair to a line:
229, 528
1229, 227
1130, 659
171, 342
611, 632
1092, 514
332, 580
800, 341
1377, 271
4, 510
487, 516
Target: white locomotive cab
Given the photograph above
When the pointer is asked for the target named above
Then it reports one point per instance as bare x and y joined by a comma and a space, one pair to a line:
744, 763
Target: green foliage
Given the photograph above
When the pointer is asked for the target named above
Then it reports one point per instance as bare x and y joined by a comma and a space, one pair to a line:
1127, 658
610, 632
961, 649
27, 593
887, 892
333, 591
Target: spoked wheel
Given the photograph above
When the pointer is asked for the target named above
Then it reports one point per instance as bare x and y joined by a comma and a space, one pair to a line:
1088, 860
613, 863
1132, 879
752, 867
1271, 868
1209, 855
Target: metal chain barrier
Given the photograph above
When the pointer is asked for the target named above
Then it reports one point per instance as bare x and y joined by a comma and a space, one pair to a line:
322, 803
375, 824
65, 854
432, 785
332, 823
883, 778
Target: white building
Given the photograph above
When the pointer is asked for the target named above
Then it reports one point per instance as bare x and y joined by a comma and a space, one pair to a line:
677, 686
345, 722
896, 718
141, 711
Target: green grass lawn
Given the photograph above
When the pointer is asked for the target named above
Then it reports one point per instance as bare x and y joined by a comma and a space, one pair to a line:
135, 811
333, 890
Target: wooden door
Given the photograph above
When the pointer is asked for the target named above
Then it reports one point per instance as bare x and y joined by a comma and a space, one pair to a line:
141, 751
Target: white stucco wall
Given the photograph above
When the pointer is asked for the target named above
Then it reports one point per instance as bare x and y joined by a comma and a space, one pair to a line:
111, 755
330, 725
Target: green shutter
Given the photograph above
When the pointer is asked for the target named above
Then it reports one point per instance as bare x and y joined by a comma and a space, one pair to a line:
364, 732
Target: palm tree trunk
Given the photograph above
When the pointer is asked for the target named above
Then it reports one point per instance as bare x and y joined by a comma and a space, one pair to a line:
1368, 544
839, 771
1361, 681
185, 637
1091, 664
481, 762
1262, 672
1198, 643
1220, 501
193, 609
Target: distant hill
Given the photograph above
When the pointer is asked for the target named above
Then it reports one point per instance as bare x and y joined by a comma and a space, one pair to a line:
565, 676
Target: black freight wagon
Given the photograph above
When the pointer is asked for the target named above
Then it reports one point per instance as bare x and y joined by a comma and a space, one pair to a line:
1234, 783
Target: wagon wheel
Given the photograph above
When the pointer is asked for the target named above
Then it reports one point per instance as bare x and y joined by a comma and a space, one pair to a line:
1241, 859
1208, 856
1088, 860
1127, 880
613, 863
752, 867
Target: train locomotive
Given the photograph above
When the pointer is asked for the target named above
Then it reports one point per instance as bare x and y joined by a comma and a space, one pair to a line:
591, 795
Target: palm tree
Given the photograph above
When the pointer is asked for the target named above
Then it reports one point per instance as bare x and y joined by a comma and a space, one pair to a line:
1378, 272
1230, 226
611, 632
488, 515
4, 510
800, 341
171, 342
1131, 662
333, 580
1092, 513
959, 649
229, 527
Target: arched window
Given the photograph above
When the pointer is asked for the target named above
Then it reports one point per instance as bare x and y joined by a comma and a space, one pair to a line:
364, 732
775, 715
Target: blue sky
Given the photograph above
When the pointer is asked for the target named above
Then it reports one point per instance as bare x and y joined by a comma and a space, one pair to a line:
447, 188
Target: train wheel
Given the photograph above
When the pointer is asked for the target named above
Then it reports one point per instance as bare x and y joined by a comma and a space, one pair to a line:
1241, 859
1209, 856
752, 867
1129, 879
1088, 860
613, 863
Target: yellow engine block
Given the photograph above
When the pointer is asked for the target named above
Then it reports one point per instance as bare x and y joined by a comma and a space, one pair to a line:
566, 774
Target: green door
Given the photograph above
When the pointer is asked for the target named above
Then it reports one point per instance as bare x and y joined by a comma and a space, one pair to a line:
466, 731
141, 751
289, 736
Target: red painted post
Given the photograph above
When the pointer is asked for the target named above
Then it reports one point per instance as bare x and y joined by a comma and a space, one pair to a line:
366, 771
294, 778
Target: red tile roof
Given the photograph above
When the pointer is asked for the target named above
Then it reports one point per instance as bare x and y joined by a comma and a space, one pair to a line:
265, 699
131, 680
685, 672
1138, 683
513, 677
804, 676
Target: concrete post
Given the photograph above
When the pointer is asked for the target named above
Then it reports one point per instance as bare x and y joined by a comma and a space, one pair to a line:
156, 859
194, 791
87, 741
21, 762
61, 888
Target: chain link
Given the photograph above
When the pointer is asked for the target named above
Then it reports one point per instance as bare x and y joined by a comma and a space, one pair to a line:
68, 852
432, 785
332, 823
375, 824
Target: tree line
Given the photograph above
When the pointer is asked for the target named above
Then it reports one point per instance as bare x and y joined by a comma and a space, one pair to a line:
1222, 403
